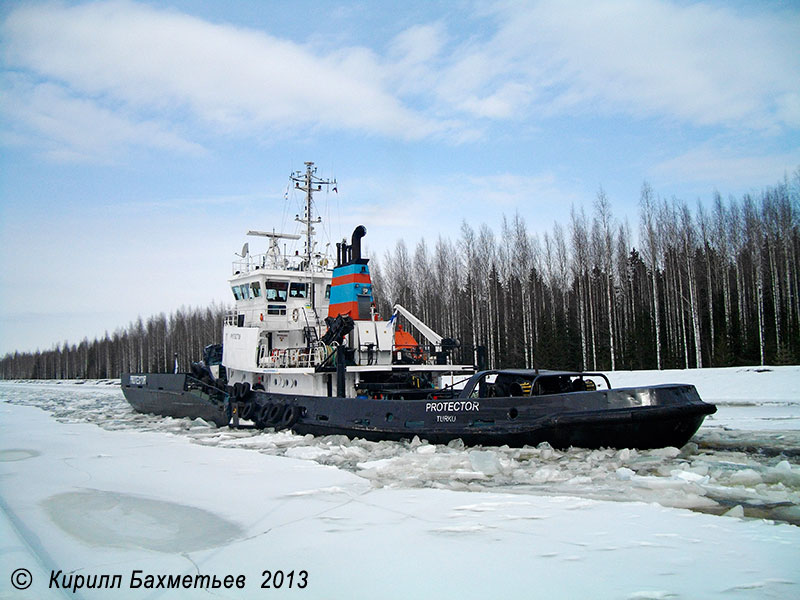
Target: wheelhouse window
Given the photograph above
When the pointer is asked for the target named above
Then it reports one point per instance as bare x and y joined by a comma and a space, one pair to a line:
244, 290
255, 288
237, 293
298, 290
276, 309
276, 290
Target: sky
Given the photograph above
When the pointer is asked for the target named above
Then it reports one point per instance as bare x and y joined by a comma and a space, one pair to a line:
139, 141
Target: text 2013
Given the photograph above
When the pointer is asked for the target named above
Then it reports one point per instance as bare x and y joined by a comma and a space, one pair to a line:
279, 579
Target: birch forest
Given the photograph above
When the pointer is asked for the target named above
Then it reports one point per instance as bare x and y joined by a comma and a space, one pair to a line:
692, 286
703, 286
143, 347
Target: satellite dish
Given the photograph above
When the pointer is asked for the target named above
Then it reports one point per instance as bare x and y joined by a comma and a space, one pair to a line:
245, 250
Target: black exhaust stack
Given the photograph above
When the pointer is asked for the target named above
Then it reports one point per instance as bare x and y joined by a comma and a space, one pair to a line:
355, 245
348, 254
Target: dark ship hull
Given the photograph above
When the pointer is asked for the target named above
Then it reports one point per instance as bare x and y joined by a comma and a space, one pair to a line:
646, 417
585, 419
176, 395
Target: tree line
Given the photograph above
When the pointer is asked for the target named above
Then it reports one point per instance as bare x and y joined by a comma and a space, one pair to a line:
142, 347
709, 286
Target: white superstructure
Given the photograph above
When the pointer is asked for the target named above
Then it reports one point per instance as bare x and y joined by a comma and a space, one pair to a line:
275, 338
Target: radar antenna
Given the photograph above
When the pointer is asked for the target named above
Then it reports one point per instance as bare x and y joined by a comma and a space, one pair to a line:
274, 251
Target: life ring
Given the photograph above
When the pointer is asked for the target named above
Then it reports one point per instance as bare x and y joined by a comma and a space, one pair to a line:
295, 315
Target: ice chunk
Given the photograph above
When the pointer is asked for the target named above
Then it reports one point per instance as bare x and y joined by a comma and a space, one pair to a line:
790, 514
625, 474
580, 480
783, 473
737, 511
549, 474
381, 463
746, 477
783, 467
306, 452
485, 461
545, 450
668, 452
689, 476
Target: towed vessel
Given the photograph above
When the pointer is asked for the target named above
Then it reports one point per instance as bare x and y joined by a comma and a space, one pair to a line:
305, 349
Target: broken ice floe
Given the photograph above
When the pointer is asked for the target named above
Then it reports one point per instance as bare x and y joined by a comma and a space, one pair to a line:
751, 473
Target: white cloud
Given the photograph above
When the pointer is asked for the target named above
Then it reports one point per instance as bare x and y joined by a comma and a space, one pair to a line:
134, 67
77, 129
148, 60
711, 165
701, 63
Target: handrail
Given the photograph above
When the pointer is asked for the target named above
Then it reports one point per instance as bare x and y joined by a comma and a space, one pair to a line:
281, 261
293, 357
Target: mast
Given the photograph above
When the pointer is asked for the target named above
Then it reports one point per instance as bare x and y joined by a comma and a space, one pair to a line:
309, 183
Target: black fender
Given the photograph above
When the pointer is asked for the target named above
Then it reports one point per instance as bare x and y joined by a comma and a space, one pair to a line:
248, 408
290, 416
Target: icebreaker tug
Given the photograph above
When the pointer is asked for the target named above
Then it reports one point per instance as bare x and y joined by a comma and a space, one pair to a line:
304, 349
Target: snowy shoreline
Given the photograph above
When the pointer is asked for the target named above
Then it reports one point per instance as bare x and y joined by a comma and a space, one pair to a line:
726, 385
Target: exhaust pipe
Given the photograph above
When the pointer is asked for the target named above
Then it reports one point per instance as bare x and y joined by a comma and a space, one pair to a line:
355, 246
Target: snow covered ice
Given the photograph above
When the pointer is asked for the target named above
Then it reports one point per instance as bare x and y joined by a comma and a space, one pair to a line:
91, 487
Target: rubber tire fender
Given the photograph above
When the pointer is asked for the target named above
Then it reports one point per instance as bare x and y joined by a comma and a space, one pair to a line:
263, 415
290, 416
275, 413
248, 408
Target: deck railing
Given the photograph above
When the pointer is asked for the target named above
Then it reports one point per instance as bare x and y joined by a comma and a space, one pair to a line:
282, 262
293, 357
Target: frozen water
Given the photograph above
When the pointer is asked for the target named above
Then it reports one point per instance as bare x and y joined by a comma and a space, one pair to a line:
103, 518
89, 486
720, 468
